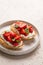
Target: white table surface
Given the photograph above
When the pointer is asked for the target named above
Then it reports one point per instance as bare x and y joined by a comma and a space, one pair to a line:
28, 10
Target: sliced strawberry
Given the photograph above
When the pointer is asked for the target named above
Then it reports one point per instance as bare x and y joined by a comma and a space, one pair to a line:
23, 26
22, 31
25, 34
30, 30
17, 37
9, 39
6, 34
12, 34
15, 44
4, 37
18, 28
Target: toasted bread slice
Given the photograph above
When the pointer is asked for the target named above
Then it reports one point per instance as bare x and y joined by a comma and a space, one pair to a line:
4, 44
28, 37
8, 45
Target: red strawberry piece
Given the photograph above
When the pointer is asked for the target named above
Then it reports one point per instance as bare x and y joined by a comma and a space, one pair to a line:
12, 34
17, 37
23, 26
9, 39
25, 34
6, 34
22, 31
15, 44
18, 28
30, 29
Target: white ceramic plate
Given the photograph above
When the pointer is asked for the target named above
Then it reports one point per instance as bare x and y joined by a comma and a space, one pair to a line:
29, 46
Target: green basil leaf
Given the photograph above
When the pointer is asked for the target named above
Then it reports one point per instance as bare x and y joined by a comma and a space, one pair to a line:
17, 41
27, 30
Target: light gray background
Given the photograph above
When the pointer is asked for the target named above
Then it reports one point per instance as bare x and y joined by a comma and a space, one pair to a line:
28, 10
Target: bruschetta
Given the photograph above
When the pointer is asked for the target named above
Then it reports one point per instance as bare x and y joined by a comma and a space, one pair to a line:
11, 40
23, 29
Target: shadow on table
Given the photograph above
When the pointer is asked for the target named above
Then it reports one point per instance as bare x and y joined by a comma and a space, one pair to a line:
20, 56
